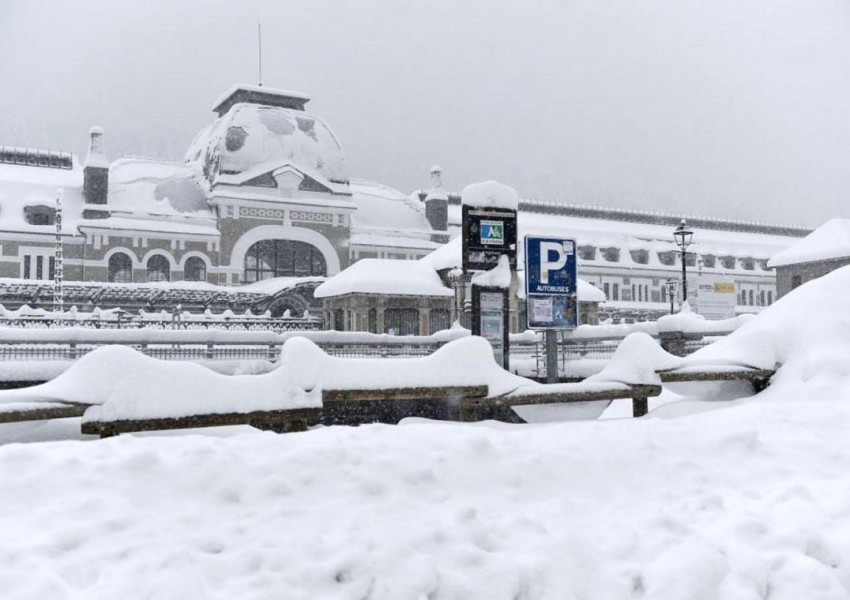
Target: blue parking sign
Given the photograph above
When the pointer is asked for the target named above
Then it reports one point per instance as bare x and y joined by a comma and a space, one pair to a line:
551, 283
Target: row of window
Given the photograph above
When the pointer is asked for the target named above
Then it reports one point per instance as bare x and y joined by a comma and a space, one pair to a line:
398, 321
158, 268
669, 258
264, 260
642, 293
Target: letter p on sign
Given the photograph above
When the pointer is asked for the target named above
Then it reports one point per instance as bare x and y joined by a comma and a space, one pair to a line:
549, 251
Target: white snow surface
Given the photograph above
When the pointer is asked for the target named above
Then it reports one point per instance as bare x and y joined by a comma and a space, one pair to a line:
830, 240
490, 194
385, 276
497, 277
704, 499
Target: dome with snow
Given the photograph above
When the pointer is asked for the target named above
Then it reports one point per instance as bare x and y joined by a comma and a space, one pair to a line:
260, 130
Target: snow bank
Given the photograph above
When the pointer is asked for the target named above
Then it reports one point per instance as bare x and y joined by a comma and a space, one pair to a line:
807, 332
490, 194
603, 510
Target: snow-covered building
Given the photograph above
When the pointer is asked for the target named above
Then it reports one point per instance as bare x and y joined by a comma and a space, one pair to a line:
263, 192
825, 249
264, 195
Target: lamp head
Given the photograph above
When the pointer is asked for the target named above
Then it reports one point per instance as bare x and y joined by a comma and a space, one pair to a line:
683, 235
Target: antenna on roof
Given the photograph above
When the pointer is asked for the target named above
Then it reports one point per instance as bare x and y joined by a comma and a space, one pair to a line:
260, 45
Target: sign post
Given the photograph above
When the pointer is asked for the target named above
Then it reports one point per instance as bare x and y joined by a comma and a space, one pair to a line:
489, 231
490, 320
551, 286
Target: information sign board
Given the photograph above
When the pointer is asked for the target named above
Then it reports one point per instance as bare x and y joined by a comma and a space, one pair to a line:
488, 233
551, 283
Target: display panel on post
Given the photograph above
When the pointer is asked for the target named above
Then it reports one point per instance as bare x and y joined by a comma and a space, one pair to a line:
488, 233
490, 321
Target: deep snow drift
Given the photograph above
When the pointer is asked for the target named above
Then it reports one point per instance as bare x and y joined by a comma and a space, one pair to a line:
746, 501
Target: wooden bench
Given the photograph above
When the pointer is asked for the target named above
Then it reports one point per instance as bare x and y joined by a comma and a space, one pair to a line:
41, 411
759, 378
285, 420
474, 409
390, 405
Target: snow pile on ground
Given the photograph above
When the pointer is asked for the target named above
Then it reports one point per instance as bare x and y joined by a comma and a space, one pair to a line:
745, 502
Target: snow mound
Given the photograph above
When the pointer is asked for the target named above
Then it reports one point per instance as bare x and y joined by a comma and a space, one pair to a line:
636, 361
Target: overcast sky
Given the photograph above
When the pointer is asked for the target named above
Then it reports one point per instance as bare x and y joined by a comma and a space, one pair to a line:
737, 108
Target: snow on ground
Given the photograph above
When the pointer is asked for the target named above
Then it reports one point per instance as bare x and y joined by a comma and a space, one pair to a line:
746, 500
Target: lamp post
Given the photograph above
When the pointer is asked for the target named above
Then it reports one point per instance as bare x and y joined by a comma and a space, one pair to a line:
683, 236
456, 277
671, 285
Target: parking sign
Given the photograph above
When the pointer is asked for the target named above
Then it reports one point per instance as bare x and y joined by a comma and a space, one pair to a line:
551, 283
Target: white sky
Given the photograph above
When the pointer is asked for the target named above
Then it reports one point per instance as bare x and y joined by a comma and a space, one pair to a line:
734, 108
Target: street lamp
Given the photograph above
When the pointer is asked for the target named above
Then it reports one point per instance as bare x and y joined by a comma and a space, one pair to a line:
456, 277
671, 285
683, 236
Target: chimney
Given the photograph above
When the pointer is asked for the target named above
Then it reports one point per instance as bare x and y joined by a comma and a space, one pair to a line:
437, 206
95, 177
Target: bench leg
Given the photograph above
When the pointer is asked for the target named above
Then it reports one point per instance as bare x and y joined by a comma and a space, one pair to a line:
640, 406
467, 412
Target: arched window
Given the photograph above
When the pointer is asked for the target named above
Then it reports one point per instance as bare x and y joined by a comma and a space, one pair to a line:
158, 268
120, 268
195, 269
283, 258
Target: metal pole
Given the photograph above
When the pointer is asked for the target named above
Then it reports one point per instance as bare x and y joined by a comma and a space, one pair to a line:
551, 337
58, 276
684, 277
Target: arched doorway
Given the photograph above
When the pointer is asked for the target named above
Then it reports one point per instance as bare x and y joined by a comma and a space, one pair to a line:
120, 269
282, 258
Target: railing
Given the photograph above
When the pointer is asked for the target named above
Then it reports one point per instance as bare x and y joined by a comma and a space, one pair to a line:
228, 324
69, 344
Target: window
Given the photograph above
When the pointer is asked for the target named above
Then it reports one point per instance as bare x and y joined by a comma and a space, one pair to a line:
438, 320
616, 292
339, 320
120, 268
796, 281
769, 298
401, 321
611, 254
40, 215
159, 268
195, 269
761, 298
641, 257
607, 289
37, 263
373, 320
709, 260
283, 258
664, 293
587, 252
751, 298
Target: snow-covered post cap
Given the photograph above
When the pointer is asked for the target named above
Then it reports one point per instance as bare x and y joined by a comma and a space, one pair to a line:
490, 194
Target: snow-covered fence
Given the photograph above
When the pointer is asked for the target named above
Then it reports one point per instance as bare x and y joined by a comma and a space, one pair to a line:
36, 318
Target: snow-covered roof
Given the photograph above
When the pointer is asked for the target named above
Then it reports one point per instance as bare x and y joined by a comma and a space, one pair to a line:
383, 276
27, 185
382, 207
830, 240
253, 135
150, 187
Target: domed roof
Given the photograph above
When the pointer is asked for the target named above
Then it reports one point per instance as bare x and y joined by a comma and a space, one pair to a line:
250, 140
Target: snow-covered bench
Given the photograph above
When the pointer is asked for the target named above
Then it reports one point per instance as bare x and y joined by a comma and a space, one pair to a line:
760, 378
284, 420
476, 409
